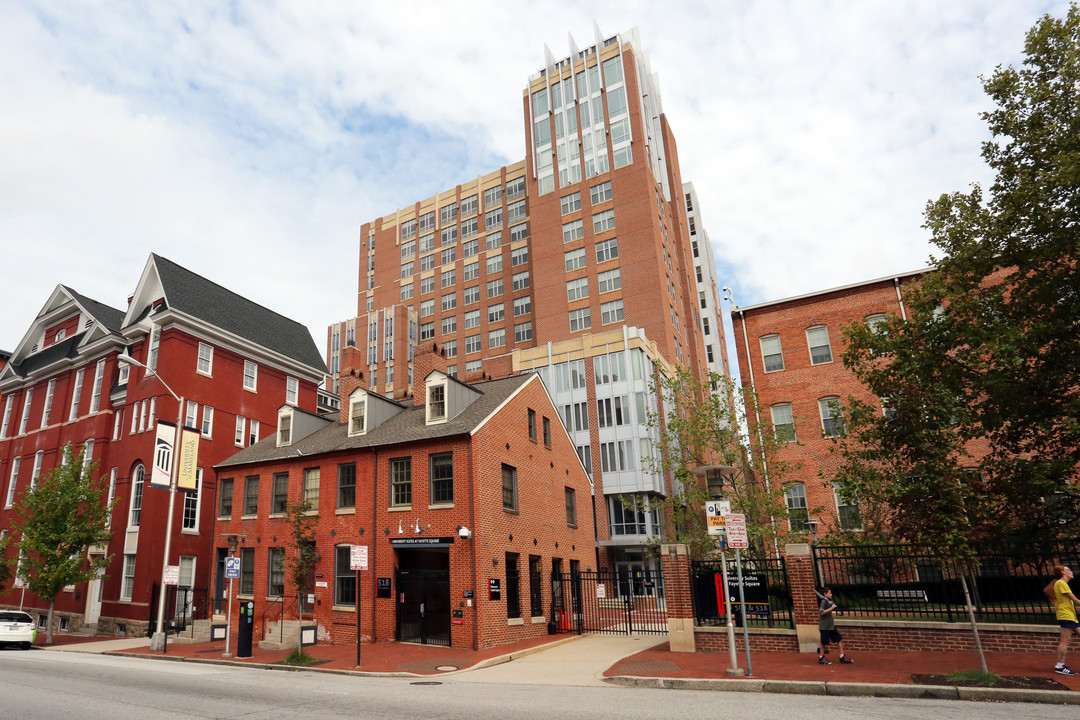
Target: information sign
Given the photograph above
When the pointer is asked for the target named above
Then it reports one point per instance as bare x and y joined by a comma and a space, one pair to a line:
358, 557
172, 574
736, 530
232, 568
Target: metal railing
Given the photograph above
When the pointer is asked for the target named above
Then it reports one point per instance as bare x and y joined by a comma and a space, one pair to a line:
765, 585
898, 581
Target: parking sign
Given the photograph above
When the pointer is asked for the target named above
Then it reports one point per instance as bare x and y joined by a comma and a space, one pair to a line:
358, 557
232, 568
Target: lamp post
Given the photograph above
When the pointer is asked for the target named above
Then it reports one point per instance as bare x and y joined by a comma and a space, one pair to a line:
157, 642
813, 541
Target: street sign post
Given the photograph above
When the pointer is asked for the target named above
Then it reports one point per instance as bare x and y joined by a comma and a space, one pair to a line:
738, 539
736, 531
172, 575
358, 560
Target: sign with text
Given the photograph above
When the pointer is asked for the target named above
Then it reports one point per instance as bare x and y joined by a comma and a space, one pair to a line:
163, 452
232, 568
187, 474
716, 512
736, 531
494, 589
172, 575
382, 587
358, 557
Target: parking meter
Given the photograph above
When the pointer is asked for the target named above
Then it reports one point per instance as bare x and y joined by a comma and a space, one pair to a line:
247, 625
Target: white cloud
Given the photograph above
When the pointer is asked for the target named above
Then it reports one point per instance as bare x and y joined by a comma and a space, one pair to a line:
248, 141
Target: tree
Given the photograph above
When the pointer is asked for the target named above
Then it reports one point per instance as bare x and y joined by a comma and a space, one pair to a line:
301, 558
701, 427
6, 573
981, 381
59, 520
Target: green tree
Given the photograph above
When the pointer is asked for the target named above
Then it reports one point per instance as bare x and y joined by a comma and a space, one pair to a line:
58, 520
301, 558
6, 573
988, 358
700, 427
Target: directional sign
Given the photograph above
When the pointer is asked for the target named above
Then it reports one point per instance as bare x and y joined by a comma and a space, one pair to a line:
232, 568
358, 557
736, 529
716, 511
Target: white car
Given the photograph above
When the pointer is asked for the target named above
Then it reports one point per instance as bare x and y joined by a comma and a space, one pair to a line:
17, 628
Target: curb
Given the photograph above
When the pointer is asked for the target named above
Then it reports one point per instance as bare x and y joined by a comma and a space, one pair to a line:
848, 689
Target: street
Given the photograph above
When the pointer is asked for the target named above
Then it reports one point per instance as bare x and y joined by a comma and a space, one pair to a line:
41, 685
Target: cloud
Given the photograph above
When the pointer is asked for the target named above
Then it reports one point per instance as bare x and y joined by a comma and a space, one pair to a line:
249, 141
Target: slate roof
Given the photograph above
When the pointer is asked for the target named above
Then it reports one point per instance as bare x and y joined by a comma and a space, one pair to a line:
66, 348
196, 296
110, 317
407, 426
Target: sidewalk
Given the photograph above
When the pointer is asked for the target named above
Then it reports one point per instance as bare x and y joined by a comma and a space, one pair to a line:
553, 659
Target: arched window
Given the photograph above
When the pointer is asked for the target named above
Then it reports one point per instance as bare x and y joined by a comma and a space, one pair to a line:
137, 476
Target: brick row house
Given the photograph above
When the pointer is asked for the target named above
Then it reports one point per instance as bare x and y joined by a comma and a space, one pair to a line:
234, 362
469, 497
576, 262
790, 353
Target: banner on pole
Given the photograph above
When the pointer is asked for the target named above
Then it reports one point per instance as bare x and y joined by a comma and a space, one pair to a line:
189, 460
163, 452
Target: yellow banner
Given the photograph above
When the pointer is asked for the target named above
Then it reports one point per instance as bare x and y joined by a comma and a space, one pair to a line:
717, 521
189, 460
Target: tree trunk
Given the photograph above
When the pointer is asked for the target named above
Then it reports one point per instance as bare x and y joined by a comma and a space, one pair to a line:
971, 617
48, 623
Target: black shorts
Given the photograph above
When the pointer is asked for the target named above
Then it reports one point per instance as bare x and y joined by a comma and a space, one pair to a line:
830, 636
1069, 624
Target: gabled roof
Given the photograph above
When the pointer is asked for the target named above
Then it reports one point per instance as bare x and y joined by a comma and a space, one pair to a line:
110, 317
405, 427
194, 295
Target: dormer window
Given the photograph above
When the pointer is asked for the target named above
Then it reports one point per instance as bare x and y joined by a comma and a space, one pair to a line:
436, 402
60, 335
357, 415
284, 428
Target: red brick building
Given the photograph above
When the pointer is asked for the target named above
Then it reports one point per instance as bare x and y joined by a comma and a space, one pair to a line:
467, 496
789, 353
234, 362
573, 262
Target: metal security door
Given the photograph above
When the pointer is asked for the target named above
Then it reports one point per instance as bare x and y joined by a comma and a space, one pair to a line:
423, 607
626, 602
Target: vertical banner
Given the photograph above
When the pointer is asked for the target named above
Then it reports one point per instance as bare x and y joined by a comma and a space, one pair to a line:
189, 460
163, 452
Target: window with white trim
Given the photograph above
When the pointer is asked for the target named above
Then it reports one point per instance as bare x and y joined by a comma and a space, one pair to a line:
137, 478
127, 585
241, 426
190, 520
798, 514
580, 319
783, 421
251, 375
253, 432
47, 408
292, 390
832, 420
357, 415
772, 354
28, 399
205, 364
817, 339
207, 421
12, 480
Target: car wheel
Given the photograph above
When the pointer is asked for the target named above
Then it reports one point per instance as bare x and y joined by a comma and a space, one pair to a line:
26, 645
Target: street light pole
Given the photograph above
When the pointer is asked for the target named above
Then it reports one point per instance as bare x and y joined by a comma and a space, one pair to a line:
157, 641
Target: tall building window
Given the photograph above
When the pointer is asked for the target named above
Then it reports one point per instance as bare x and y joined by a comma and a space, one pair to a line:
251, 371
191, 504
609, 280
205, 363
607, 250
847, 512
536, 605
12, 480
783, 422
580, 319
509, 487
311, 487
577, 289
251, 496
28, 399
279, 500
832, 421
276, 567
247, 571
127, 584
522, 305
798, 515
292, 390
571, 506
344, 577
611, 312
771, 353
573, 230
600, 193
47, 407
817, 338
401, 482
571, 203
603, 221
137, 477
442, 478
225, 494
513, 586
574, 259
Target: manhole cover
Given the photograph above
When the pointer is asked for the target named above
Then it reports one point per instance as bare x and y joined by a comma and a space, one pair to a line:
446, 668
426, 682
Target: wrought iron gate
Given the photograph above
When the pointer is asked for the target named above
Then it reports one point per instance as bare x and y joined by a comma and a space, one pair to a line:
624, 602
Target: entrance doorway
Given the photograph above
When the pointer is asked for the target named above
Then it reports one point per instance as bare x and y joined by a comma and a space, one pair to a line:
423, 596
95, 593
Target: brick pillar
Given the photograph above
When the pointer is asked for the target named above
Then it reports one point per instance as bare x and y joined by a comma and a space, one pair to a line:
678, 594
800, 572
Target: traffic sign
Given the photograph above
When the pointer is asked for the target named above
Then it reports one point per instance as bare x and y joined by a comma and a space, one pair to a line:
736, 529
172, 574
358, 557
716, 511
232, 568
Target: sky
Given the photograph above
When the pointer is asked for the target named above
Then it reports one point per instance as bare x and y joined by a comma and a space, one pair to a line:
248, 141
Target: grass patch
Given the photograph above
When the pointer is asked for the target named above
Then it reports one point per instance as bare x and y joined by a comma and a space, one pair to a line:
974, 677
301, 659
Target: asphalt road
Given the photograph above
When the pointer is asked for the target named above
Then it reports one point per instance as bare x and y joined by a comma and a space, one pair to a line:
40, 685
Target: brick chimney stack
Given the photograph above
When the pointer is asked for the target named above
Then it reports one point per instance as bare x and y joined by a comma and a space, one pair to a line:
427, 358
350, 378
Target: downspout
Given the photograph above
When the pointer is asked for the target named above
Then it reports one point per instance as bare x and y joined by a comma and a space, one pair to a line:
374, 544
472, 522
757, 420
900, 299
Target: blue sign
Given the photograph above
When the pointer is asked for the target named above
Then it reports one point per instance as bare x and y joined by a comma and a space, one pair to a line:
232, 568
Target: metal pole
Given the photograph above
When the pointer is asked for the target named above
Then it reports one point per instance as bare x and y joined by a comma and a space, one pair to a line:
742, 601
358, 618
734, 670
158, 641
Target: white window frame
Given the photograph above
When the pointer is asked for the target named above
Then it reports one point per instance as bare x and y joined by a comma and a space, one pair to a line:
251, 375
764, 354
191, 503
13, 479
253, 431
28, 399
207, 428
205, 363
127, 585
47, 407
8, 404
73, 410
354, 427
241, 427
292, 390
790, 421
138, 489
284, 431
436, 398
817, 330
99, 377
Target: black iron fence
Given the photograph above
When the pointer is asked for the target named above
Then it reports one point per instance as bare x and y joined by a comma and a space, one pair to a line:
898, 581
765, 589
183, 605
627, 601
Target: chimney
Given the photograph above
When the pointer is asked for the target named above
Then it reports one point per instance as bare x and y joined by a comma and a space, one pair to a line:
427, 358
350, 378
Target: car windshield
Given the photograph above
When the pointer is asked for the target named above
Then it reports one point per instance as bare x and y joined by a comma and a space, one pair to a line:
14, 617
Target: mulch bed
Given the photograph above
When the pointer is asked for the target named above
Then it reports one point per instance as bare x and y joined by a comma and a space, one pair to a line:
1010, 682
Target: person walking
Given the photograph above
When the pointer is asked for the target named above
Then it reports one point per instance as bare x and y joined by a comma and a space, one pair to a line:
1065, 604
827, 629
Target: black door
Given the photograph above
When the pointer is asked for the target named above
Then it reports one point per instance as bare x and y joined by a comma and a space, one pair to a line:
219, 582
423, 607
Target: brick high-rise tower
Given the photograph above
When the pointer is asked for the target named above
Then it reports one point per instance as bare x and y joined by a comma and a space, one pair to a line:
575, 263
